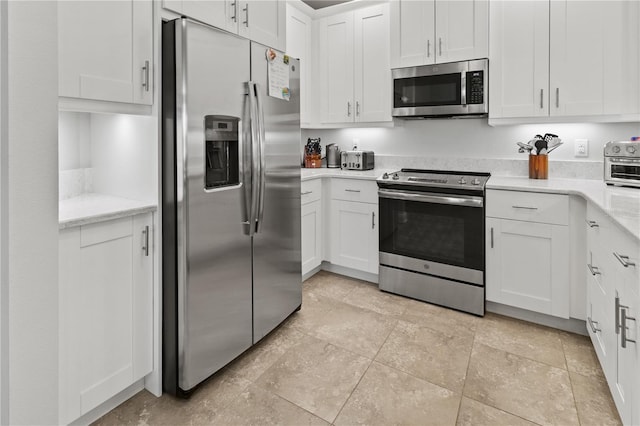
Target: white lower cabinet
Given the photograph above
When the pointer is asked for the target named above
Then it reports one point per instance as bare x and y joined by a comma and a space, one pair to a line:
311, 198
105, 275
527, 259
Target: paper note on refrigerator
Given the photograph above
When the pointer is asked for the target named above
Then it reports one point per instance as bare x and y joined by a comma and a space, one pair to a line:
278, 74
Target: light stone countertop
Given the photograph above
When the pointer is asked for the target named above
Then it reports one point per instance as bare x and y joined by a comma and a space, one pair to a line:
620, 203
92, 208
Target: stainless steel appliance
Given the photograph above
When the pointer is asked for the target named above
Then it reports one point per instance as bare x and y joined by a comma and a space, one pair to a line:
432, 237
333, 156
357, 160
450, 89
622, 163
230, 202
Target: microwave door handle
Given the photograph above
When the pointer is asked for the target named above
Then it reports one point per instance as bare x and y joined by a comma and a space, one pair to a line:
463, 88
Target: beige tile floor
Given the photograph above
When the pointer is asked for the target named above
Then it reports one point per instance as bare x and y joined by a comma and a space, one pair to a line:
355, 355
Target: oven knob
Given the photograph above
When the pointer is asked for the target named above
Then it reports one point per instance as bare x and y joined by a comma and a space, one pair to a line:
395, 176
616, 149
385, 176
631, 149
462, 181
476, 181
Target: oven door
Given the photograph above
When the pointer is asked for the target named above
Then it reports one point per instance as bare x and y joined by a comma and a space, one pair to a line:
432, 233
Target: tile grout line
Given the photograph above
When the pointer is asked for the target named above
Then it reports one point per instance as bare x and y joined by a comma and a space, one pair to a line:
573, 393
466, 376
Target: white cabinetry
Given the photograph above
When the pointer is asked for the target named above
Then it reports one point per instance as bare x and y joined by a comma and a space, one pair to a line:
428, 32
564, 58
613, 306
299, 46
527, 256
355, 69
354, 224
105, 302
262, 21
311, 199
105, 50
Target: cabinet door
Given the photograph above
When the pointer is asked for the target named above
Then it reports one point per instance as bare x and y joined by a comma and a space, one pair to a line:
336, 69
594, 51
311, 236
412, 33
519, 76
220, 14
354, 235
372, 68
299, 46
625, 393
105, 50
263, 21
528, 266
462, 30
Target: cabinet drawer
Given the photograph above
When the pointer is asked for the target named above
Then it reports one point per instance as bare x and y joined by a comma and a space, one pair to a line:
364, 191
310, 190
528, 206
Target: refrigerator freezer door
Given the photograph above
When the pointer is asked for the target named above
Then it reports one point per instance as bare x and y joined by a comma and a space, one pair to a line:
214, 256
277, 290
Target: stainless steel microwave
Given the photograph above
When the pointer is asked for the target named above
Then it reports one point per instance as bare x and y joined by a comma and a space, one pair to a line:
450, 89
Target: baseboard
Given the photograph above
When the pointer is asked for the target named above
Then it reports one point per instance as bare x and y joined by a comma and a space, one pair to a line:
349, 272
110, 404
572, 325
311, 273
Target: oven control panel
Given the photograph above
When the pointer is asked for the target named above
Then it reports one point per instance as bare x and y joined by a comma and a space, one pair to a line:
436, 178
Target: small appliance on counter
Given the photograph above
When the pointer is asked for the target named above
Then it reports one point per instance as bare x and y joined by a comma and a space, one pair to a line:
622, 163
313, 154
333, 156
357, 160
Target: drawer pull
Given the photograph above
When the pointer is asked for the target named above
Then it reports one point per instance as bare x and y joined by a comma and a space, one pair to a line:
624, 328
593, 325
624, 260
592, 223
594, 270
525, 208
306, 193
352, 190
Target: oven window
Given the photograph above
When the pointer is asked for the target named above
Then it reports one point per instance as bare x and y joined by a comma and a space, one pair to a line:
625, 172
443, 89
453, 235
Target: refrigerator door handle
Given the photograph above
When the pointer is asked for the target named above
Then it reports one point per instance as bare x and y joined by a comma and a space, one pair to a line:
255, 156
261, 147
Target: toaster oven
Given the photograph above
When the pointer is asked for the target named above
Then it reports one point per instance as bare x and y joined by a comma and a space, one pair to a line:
357, 160
622, 163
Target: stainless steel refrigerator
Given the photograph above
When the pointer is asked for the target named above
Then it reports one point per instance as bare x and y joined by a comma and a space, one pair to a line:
231, 200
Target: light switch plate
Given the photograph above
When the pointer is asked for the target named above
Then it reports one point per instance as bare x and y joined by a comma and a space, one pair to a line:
581, 148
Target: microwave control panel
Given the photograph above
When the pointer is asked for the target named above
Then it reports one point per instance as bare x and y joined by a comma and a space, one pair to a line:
475, 87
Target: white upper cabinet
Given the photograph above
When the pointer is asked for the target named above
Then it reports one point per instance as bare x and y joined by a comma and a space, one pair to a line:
105, 50
260, 21
564, 59
428, 32
355, 70
299, 46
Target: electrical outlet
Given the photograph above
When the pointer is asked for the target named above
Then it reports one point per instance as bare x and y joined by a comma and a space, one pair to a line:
581, 148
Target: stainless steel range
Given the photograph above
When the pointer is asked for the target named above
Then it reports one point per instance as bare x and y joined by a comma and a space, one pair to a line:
432, 238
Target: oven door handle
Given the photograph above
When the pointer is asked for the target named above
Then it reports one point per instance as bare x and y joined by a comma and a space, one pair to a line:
430, 197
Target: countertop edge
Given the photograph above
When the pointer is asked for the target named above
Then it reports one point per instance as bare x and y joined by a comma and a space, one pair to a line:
84, 210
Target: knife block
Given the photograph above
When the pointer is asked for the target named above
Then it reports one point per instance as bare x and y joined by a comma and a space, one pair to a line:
538, 166
312, 161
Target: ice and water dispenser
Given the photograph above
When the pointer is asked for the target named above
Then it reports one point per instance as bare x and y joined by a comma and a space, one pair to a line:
221, 153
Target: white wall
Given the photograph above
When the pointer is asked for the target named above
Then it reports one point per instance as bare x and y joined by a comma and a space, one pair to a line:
33, 211
4, 223
472, 138
74, 139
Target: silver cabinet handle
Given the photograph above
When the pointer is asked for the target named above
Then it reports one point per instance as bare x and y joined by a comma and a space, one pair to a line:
352, 190
592, 223
624, 260
619, 306
541, 98
557, 97
525, 208
594, 325
234, 4
145, 81
491, 237
145, 240
306, 193
440, 44
623, 328
348, 109
246, 10
428, 48
373, 220
357, 109
594, 270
